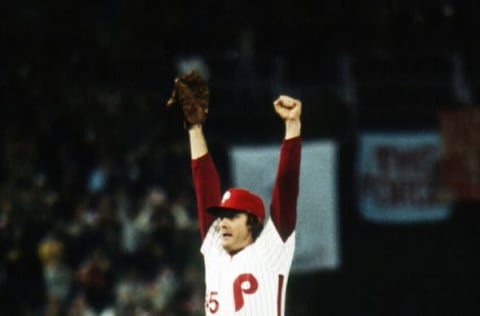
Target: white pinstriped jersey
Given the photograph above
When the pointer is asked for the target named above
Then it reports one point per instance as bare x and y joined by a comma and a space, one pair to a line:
252, 282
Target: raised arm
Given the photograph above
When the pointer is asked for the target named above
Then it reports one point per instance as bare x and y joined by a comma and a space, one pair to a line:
206, 181
191, 93
283, 208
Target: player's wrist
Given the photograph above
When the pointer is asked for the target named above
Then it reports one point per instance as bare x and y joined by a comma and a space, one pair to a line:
292, 128
193, 128
189, 126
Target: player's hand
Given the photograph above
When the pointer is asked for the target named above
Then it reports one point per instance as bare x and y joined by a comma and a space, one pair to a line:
288, 108
191, 93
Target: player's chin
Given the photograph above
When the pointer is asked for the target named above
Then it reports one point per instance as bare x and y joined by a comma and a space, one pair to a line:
227, 242
227, 247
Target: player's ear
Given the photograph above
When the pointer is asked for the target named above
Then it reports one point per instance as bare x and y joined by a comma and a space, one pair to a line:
254, 226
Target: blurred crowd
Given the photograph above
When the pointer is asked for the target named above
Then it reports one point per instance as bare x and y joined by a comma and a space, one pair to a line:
96, 214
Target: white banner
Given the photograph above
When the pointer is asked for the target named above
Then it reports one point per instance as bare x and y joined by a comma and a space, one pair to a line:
255, 167
399, 177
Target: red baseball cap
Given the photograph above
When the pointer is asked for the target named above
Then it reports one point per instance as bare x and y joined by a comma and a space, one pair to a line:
241, 200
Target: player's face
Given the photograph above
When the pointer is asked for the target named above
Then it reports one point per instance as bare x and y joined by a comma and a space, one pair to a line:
235, 232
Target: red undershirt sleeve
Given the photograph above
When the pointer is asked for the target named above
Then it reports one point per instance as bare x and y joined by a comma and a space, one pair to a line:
206, 183
283, 207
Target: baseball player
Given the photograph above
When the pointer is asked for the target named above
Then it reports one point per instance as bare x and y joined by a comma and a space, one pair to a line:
247, 256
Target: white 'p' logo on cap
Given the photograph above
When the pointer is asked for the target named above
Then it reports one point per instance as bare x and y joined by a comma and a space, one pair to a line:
226, 196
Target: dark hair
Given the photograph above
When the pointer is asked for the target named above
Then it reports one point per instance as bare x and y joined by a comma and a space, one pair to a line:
255, 225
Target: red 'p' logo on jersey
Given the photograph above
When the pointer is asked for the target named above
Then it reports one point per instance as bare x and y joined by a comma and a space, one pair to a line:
244, 284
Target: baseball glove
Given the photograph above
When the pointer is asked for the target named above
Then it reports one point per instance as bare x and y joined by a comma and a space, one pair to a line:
191, 93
